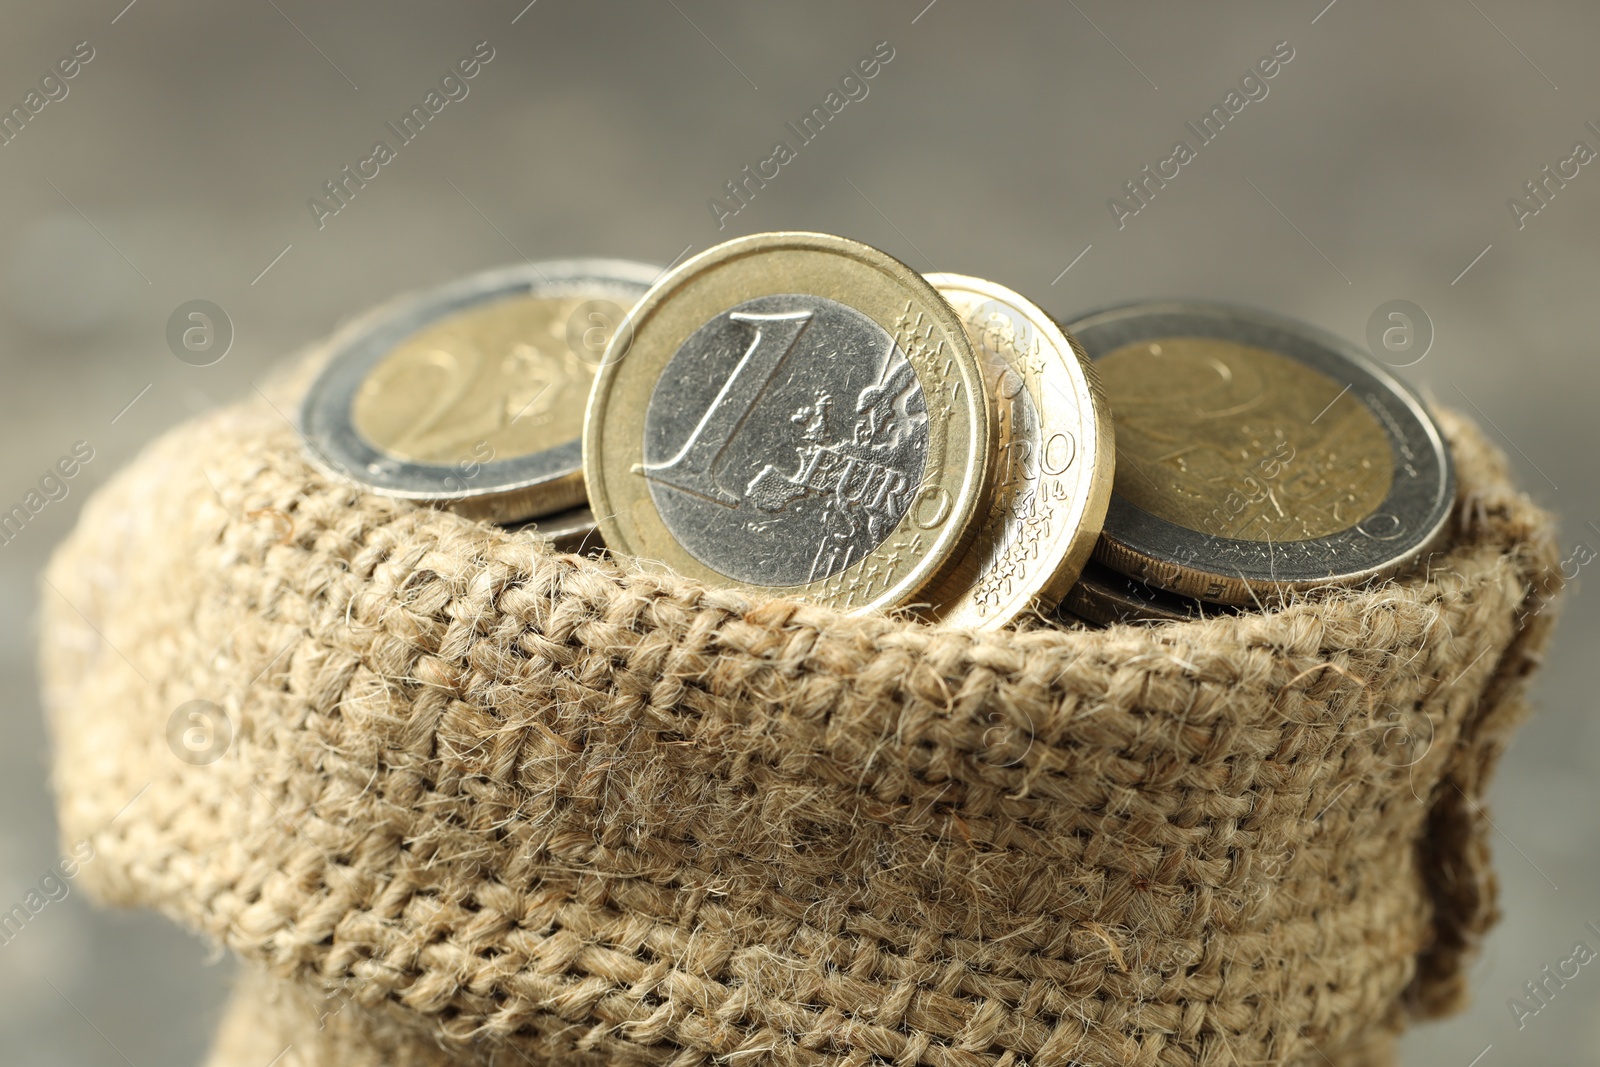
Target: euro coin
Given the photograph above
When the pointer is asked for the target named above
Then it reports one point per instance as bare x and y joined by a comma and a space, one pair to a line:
798, 415
1103, 596
1257, 456
1053, 459
573, 530
471, 395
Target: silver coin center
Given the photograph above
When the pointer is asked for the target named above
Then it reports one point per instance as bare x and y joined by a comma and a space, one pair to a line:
785, 440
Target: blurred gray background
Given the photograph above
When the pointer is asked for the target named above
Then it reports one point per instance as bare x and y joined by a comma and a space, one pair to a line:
1379, 167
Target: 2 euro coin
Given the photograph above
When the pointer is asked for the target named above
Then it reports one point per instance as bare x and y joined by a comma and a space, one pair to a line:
471, 396
1257, 456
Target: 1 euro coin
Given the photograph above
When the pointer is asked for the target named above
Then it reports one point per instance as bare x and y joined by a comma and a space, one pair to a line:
797, 415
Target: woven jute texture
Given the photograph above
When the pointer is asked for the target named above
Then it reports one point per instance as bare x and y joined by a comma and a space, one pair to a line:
483, 803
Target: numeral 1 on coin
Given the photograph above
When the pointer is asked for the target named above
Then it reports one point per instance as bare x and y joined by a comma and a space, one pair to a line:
691, 469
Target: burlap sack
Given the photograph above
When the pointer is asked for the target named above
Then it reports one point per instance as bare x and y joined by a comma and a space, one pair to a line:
480, 803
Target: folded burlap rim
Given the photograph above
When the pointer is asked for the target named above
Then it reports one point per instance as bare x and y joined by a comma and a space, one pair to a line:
474, 802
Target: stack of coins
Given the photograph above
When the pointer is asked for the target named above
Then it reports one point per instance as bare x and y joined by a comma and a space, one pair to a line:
799, 414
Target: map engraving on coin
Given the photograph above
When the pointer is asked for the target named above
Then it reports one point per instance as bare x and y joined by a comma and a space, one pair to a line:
786, 440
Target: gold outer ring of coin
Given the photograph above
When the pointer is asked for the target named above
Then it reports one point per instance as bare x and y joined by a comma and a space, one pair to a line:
922, 547
1054, 462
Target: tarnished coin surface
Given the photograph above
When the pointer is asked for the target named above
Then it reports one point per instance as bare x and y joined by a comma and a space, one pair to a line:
1103, 596
1257, 456
471, 395
573, 530
798, 414
1053, 461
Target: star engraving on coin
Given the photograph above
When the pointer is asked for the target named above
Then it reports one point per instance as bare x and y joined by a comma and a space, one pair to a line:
1053, 465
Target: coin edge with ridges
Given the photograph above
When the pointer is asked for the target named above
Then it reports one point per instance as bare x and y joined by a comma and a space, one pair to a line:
954, 602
